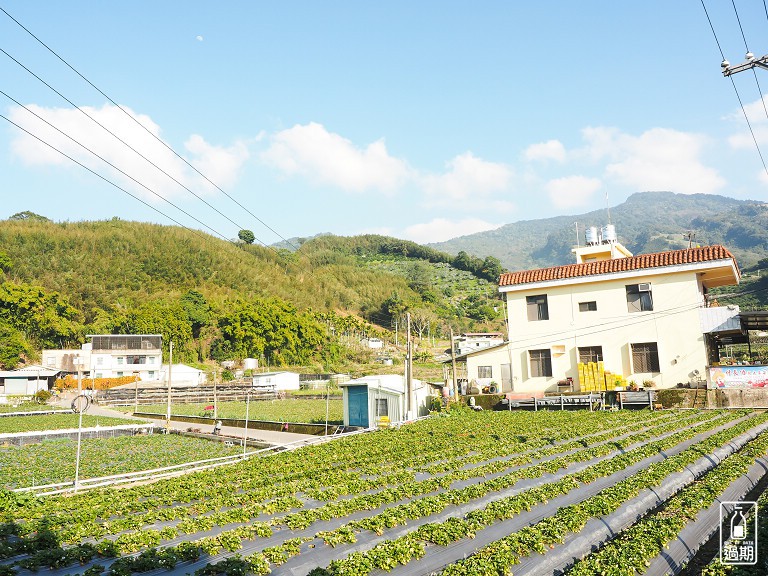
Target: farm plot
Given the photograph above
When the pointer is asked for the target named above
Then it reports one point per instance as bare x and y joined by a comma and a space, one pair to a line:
37, 422
469, 493
53, 461
303, 410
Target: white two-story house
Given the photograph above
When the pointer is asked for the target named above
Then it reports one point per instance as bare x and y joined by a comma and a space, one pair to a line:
112, 356
643, 316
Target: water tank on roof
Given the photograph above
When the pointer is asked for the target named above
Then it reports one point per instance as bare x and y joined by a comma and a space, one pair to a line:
591, 236
609, 234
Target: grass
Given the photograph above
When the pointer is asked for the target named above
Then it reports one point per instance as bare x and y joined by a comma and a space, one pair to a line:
300, 410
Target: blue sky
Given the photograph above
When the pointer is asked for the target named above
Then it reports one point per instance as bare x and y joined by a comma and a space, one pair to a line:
422, 120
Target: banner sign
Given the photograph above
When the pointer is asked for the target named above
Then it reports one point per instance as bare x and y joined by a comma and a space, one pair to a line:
738, 376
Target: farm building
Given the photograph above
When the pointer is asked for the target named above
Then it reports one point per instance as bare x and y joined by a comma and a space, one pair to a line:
370, 398
28, 380
280, 380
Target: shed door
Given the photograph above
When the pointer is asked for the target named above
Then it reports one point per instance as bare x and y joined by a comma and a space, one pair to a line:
358, 405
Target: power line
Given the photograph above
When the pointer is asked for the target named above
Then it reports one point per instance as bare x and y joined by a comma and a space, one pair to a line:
750, 55
107, 180
111, 133
148, 131
110, 164
738, 96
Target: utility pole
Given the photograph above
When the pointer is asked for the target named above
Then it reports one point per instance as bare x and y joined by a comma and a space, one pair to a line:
751, 62
408, 367
453, 369
215, 400
690, 235
170, 364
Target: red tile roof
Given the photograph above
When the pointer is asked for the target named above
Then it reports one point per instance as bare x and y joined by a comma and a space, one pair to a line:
640, 262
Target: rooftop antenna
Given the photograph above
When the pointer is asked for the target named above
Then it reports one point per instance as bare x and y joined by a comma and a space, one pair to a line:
577, 235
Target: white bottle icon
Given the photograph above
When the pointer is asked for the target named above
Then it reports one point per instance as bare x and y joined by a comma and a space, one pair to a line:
738, 525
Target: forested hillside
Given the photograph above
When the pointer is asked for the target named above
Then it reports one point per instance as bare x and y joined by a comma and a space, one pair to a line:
646, 222
222, 300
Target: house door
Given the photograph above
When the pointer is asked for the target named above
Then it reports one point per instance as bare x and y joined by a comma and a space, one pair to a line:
358, 405
506, 377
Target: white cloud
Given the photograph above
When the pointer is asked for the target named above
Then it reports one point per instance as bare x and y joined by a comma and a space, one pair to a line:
658, 159
549, 150
328, 158
440, 229
468, 179
572, 191
199, 38
221, 165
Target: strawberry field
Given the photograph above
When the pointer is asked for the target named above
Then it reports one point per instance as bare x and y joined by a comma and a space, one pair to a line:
461, 494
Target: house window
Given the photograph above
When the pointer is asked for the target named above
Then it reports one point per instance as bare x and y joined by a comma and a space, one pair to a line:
537, 307
639, 298
382, 408
590, 354
51, 361
120, 360
541, 363
588, 306
645, 357
151, 374
119, 374
485, 372
99, 361
136, 359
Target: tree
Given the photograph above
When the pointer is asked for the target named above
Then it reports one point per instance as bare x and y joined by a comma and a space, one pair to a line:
13, 346
198, 311
27, 215
44, 318
246, 236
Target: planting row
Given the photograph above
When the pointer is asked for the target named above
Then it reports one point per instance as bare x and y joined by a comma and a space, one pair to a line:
290, 506
67, 420
53, 461
304, 410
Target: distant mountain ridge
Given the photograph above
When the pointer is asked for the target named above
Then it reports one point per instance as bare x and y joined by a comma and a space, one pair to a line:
645, 222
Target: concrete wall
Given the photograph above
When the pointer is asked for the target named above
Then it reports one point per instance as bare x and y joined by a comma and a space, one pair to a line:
673, 324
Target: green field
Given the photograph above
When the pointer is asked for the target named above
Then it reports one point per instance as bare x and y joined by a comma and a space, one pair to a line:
287, 410
53, 461
28, 407
12, 424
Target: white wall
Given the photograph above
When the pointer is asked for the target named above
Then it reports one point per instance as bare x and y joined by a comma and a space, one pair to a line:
673, 324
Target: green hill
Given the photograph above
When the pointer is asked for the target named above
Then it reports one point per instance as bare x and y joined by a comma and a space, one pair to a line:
219, 299
646, 222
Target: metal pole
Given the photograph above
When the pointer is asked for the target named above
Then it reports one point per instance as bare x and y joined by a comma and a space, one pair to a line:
327, 400
170, 363
77, 457
136, 392
409, 369
453, 368
215, 398
245, 431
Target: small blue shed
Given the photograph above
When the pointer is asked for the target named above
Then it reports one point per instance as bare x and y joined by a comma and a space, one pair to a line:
367, 400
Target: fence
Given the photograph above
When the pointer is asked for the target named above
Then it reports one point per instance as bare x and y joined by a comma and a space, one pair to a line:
188, 395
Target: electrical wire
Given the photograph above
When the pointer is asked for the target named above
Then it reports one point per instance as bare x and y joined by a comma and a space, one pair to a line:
111, 133
748, 51
148, 131
738, 97
107, 180
84, 147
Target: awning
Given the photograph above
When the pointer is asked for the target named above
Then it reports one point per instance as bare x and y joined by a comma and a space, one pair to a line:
757, 320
